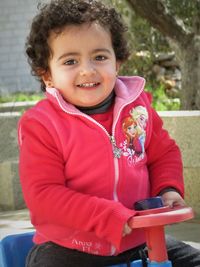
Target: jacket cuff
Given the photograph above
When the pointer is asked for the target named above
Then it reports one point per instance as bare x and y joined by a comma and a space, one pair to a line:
168, 189
116, 236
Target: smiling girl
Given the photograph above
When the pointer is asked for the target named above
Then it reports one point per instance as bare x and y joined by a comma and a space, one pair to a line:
75, 178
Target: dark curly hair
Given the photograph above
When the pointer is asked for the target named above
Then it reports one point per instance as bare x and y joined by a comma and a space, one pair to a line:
57, 14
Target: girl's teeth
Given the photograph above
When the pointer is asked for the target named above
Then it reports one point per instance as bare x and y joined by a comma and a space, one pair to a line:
87, 85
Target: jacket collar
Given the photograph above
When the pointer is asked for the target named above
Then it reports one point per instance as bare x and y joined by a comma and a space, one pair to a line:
127, 89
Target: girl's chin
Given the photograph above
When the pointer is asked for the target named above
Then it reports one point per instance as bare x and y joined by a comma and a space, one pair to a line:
90, 104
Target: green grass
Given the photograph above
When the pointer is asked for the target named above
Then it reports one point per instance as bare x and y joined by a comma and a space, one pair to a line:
20, 97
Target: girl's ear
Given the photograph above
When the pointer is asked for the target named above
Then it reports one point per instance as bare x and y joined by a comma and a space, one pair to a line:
46, 77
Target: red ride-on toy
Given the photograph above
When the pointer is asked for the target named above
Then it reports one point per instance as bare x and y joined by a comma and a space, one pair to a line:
153, 216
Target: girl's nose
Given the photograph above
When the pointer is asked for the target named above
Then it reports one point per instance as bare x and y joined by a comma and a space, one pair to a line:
87, 69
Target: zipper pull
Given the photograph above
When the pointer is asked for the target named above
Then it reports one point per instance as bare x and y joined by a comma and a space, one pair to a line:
116, 150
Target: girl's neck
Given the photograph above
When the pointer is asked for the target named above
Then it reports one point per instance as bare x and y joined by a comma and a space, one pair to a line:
101, 107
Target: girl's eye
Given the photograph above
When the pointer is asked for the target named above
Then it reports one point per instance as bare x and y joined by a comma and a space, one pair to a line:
100, 58
70, 62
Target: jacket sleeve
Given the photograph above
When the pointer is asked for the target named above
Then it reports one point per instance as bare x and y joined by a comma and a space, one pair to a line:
163, 158
50, 200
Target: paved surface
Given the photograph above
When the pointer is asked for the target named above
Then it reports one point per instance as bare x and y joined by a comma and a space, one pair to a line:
12, 222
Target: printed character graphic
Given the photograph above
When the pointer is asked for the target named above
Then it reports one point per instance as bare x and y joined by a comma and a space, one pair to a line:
132, 132
140, 115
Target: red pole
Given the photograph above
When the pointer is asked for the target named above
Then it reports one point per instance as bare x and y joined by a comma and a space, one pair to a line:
155, 239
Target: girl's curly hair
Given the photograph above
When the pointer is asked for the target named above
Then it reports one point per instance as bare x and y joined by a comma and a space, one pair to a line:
57, 14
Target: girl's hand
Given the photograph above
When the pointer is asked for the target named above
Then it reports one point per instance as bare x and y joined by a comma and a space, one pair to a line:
173, 199
127, 230
170, 198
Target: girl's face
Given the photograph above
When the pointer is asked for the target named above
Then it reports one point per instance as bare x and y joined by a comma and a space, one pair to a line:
82, 65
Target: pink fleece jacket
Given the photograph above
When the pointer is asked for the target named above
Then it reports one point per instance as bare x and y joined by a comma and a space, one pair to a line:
80, 183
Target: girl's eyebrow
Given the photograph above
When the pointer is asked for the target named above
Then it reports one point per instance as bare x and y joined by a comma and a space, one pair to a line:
71, 54
105, 50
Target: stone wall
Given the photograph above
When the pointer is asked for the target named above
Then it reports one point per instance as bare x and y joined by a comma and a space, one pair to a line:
167, 71
184, 127
15, 19
10, 196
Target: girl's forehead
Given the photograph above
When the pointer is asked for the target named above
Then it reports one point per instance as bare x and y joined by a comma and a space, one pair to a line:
82, 39
74, 30
87, 37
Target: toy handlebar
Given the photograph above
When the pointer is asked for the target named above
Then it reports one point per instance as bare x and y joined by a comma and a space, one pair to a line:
153, 221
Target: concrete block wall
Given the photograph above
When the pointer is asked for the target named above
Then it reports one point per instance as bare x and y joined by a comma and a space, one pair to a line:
15, 18
11, 195
184, 127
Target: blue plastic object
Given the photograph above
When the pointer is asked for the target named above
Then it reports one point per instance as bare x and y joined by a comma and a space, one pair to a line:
149, 203
137, 263
160, 264
14, 249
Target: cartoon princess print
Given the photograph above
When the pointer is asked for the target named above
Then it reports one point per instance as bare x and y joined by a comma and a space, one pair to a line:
134, 130
132, 133
140, 115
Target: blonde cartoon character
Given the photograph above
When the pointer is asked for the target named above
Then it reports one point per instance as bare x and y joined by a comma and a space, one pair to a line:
140, 115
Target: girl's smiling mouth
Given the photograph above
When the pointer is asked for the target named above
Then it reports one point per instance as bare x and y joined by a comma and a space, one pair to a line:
88, 85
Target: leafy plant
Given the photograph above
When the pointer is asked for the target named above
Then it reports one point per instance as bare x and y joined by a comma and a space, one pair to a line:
161, 102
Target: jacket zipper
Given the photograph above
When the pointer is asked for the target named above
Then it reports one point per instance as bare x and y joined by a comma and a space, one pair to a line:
117, 152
